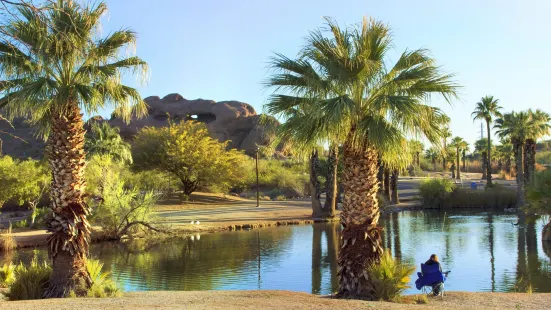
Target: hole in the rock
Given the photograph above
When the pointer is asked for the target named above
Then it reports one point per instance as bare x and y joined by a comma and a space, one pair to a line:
203, 118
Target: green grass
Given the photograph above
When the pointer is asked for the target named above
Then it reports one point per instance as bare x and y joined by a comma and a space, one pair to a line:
102, 285
7, 242
30, 281
7, 275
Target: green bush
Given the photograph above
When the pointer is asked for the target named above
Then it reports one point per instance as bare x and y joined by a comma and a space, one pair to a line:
539, 193
390, 277
278, 178
21, 224
543, 157
435, 193
494, 197
7, 275
30, 282
102, 283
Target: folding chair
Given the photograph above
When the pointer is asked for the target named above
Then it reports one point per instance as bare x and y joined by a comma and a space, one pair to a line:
429, 276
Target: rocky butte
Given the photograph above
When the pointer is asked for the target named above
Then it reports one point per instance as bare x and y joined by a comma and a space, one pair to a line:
235, 121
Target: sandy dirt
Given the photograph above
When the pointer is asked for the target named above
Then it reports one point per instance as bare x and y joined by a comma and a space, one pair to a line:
279, 300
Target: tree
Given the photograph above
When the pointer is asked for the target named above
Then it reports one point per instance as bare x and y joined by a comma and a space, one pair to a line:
106, 140
480, 148
459, 144
187, 151
504, 153
417, 148
23, 182
539, 127
53, 66
445, 135
464, 149
349, 91
516, 127
539, 196
432, 154
487, 109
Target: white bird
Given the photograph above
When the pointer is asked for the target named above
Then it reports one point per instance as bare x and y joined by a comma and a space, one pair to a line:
198, 237
192, 238
197, 223
191, 223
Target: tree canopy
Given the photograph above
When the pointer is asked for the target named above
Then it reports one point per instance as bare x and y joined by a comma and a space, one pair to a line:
187, 151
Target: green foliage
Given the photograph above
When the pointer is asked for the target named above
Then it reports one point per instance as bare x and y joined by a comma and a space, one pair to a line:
539, 193
21, 224
7, 275
37, 217
434, 193
543, 157
277, 178
390, 278
421, 299
187, 151
103, 139
30, 281
102, 282
522, 286
22, 181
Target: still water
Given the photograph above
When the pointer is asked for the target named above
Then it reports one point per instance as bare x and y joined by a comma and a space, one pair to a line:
484, 251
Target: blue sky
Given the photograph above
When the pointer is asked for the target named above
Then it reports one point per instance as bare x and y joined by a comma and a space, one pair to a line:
219, 49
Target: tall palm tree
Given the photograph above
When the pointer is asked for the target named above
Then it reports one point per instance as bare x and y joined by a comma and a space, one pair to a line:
487, 109
355, 95
417, 148
480, 148
105, 139
445, 134
54, 66
464, 149
432, 154
539, 127
516, 127
458, 143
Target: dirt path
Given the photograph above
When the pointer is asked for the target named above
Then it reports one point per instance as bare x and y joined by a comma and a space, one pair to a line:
277, 299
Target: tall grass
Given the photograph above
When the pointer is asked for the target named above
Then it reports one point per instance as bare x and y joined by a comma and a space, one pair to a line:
7, 275
30, 281
7, 241
390, 278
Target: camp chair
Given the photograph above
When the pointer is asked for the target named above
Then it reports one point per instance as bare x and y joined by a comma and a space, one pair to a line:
429, 275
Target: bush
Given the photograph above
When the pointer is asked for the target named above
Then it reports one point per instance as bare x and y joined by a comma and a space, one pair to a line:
494, 197
21, 224
7, 242
7, 275
278, 178
102, 283
435, 193
30, 282
390, 277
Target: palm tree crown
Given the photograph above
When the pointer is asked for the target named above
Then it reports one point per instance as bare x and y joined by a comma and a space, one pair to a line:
487, 109
105, 139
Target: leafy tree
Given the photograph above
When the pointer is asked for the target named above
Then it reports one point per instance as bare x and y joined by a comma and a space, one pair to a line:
346, 89
187, 151
104, 139
432, 154
487, 109
53, 66
23, 182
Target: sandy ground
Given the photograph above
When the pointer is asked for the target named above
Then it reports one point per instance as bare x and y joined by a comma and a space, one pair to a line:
278, 299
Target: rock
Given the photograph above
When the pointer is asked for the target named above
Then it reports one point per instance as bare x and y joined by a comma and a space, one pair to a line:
232, 121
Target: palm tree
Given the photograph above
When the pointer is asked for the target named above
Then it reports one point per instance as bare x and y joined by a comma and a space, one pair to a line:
516, 127
105, 139
487, 109
352, 93
464, 148
480, 148
459, 144
505, 151
417, 148
53, 67
432, 154
445, 134
540, 127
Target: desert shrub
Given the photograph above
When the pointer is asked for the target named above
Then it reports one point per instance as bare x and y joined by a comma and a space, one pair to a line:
435, 193
102, 282
495, 197
280, 177
7, 275
152, 180
37, 217
21, 224
390, 277
280, 198
30, 281
543, 157
7, 242
539, 194
421, 299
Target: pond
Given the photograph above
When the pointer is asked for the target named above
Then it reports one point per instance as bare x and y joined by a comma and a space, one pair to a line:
484, 251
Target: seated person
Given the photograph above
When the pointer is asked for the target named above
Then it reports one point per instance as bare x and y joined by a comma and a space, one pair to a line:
433, 260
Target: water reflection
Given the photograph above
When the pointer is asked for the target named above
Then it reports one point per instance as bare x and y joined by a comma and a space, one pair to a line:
479, 248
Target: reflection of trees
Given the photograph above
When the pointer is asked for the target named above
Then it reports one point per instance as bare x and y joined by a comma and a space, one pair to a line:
324, 263
192, 265
491, 241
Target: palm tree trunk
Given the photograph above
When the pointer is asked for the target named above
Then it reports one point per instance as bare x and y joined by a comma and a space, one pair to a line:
518, 146
453, 169
484, 164
315, 192
68, 243
386, 184
464, 162
331, 182
434, 164
458, 176
489, 164
508, 165
394, 187
360, 243
316, 259
529, 161
380, 174
443, 163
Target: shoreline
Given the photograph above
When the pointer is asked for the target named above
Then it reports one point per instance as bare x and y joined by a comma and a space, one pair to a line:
277, 299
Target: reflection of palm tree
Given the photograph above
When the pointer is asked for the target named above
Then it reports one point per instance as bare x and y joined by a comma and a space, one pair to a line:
521, 248
396, 233
491, 241
316, 258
